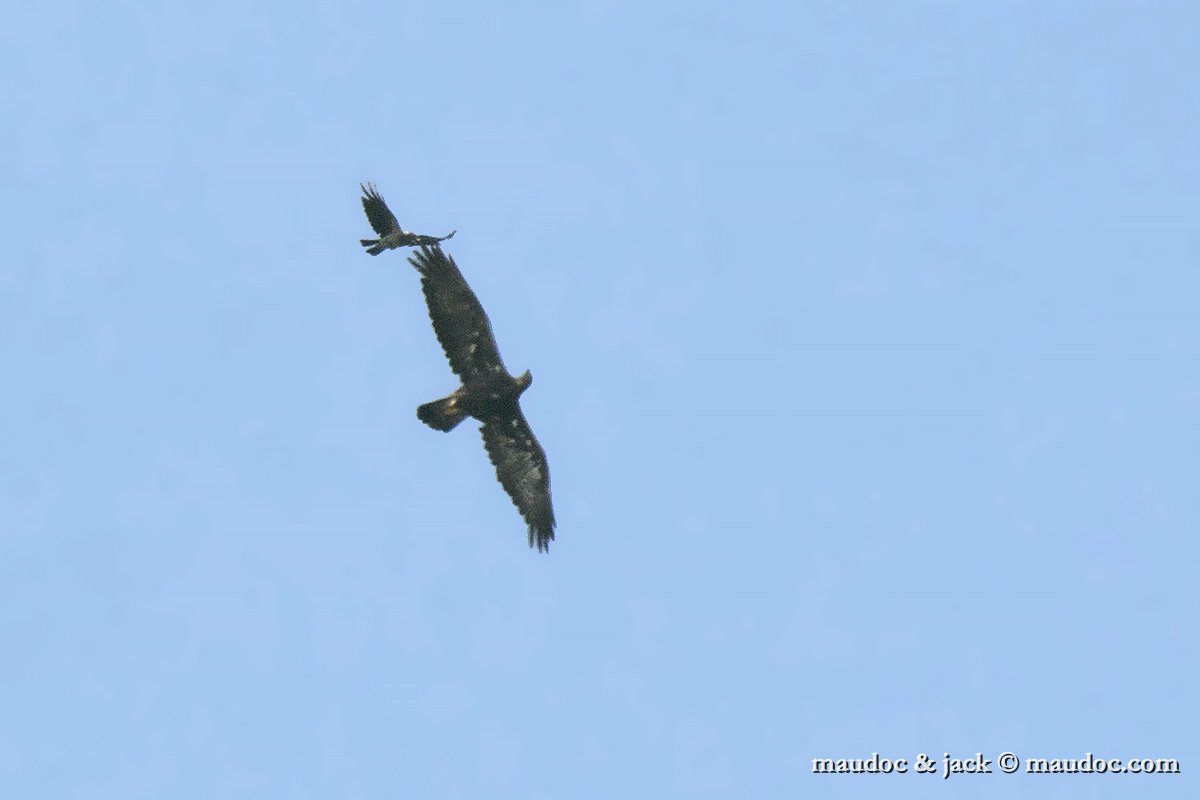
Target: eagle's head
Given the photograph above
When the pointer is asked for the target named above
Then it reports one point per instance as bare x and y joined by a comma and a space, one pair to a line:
523, 381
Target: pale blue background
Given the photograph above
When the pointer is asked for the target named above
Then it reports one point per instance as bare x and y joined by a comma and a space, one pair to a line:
865, 352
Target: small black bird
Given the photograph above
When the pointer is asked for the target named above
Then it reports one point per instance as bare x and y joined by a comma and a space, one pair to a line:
488, 392
391, 235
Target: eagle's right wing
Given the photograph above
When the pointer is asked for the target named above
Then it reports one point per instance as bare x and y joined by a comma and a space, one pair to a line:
458, 319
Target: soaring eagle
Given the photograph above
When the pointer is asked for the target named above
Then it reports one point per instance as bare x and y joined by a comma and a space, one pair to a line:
488, 392
391, 235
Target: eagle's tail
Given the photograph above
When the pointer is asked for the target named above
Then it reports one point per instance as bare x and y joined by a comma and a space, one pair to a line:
373, 246
441, 415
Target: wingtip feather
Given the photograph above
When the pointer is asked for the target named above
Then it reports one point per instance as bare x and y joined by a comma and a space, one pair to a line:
540, 539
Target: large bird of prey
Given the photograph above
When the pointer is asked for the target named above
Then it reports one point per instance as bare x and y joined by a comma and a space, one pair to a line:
391, 235
488, 392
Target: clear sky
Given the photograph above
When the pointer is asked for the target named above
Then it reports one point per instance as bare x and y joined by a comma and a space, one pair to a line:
865, 354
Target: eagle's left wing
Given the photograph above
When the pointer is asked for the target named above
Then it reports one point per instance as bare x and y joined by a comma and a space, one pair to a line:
521, 468
378, 214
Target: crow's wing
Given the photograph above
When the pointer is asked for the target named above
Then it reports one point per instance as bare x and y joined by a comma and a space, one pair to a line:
378, 214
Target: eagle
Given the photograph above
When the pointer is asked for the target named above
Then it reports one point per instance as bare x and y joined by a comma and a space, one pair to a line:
391, 235
489, 393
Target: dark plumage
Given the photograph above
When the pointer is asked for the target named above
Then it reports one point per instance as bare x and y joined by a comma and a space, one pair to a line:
391, 235
488, 392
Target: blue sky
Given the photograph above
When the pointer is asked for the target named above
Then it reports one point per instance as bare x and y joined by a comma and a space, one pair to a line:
864, 341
